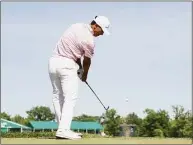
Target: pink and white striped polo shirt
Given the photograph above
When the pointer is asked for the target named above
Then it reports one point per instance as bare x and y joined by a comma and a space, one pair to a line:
77, 41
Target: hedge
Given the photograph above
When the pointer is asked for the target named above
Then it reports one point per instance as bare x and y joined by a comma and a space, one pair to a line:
39, 135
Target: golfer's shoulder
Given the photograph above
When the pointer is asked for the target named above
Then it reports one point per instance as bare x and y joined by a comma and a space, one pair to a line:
78, 26
83, 32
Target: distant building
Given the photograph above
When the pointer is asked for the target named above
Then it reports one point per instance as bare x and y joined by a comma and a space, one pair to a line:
127, 129
78, 126
7, 126
41, 126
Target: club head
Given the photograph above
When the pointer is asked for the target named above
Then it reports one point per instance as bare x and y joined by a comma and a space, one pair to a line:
107, 108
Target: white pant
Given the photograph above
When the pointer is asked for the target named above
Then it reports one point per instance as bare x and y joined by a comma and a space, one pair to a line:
64, 79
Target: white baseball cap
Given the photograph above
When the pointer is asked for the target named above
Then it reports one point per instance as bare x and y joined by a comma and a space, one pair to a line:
104, 23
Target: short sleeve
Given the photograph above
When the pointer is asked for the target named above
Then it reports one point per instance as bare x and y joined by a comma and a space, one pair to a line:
88, 48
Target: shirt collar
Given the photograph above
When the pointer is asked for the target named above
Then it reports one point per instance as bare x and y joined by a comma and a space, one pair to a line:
89, 28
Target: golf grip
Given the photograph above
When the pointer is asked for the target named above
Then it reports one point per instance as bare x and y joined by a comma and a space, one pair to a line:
97, 96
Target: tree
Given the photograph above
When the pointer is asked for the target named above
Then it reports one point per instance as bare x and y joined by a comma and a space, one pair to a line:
85, 117
112, 123
155, 123
5, 115
132, 118
40, 113
18, 119
123, 120
178, 111
181, 125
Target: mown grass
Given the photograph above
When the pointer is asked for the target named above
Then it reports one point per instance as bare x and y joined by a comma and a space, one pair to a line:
119, 140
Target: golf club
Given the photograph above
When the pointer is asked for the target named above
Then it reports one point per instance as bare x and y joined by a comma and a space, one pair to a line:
97, 97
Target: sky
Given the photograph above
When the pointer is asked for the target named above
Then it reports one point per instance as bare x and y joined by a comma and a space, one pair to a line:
146, 59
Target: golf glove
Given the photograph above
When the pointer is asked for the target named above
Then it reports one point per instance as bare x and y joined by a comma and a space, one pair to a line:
80, 73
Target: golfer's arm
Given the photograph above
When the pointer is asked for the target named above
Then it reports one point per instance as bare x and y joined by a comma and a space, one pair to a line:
86, 64
79, 63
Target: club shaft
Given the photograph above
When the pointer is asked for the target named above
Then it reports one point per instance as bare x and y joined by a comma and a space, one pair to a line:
96, 95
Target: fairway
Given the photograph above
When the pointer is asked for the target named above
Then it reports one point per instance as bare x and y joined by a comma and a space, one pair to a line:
96, 141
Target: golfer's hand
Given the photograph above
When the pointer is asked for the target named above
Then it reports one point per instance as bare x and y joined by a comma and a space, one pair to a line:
84, 77
80, 73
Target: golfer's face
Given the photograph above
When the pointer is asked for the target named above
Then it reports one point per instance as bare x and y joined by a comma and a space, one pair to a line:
98, 31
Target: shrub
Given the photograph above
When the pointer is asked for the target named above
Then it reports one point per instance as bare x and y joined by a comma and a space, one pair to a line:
40, 135
158, 133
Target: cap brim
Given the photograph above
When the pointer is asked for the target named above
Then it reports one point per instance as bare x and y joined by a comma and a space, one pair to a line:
106, 32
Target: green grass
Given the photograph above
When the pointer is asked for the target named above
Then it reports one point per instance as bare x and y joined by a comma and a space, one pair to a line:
97, 141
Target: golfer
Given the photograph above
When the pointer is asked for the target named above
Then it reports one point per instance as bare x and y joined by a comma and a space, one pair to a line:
65, 68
